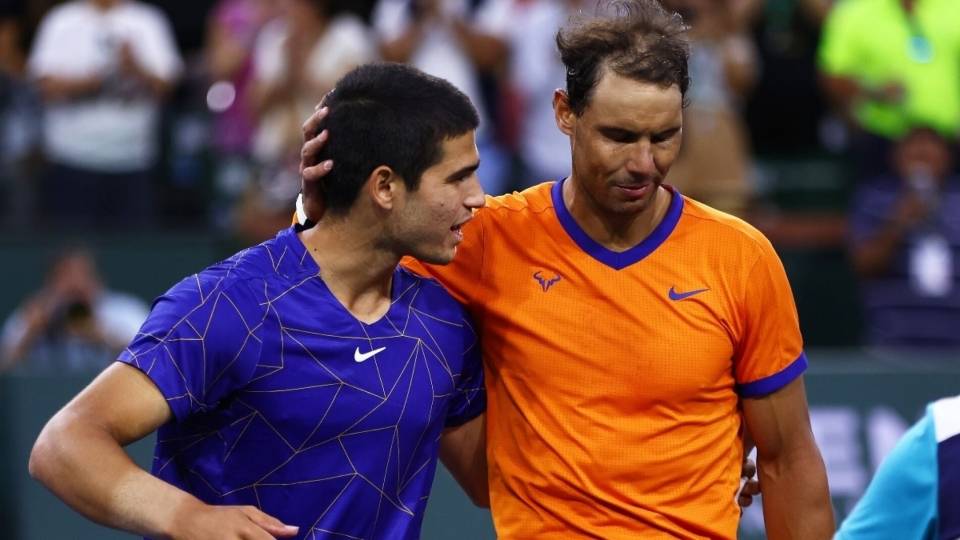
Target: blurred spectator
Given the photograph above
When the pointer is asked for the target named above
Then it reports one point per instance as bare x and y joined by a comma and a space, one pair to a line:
905, 244
891, 65
535, 72
714, 163
454, 40
103, 67
297, 59
231, 34
73, 322
19, 134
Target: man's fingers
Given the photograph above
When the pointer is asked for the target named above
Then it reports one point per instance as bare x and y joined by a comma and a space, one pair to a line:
749, 468
744, 501
311, 149
316, 172
270, 524
312, 124
752, 487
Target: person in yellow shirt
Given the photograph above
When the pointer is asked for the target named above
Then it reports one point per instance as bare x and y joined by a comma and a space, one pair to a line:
890, 66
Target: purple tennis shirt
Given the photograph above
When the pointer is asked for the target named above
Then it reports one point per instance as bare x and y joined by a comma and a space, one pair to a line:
285, 401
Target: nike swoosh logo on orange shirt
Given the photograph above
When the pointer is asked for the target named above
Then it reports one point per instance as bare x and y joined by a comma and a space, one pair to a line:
677, 296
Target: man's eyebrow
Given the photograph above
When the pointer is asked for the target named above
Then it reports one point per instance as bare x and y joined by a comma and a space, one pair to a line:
464, 171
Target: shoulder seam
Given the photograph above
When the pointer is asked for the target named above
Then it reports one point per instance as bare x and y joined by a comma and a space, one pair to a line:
753, 240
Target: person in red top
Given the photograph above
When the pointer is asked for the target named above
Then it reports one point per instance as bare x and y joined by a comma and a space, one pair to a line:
630, 334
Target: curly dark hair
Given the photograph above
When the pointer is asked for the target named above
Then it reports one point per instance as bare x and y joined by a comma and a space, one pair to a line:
637, 39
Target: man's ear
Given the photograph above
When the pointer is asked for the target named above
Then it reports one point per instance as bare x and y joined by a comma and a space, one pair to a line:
566, 118
384, 186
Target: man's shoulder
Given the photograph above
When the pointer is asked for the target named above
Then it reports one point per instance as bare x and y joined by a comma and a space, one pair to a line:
723, 228
276, 263
532, 201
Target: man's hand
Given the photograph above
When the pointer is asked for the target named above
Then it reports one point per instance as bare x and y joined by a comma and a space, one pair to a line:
202, 522
910, 211
311, 172
891, 93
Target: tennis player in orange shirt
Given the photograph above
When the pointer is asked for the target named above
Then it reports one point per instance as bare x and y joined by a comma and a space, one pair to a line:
630, 334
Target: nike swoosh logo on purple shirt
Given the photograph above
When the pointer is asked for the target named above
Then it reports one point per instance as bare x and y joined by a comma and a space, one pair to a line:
675, 296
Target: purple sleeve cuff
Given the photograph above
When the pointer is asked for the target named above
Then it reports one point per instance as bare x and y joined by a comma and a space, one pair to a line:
771, 384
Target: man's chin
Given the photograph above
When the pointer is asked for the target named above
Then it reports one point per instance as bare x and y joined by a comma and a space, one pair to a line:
437, 258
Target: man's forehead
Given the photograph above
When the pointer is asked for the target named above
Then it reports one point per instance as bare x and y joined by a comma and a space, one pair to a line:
623, 100
458, 151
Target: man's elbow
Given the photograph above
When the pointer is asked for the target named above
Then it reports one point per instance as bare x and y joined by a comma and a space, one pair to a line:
49, 455
43, 456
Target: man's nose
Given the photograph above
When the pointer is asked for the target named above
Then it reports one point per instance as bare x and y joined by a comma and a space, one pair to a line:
641, 159
475, 196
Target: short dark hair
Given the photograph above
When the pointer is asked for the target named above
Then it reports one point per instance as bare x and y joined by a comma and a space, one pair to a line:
637, 39
388, 114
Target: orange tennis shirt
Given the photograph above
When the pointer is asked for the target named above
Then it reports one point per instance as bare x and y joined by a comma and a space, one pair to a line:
613, 379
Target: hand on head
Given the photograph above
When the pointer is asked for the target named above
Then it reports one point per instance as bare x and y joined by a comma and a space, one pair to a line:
311, 172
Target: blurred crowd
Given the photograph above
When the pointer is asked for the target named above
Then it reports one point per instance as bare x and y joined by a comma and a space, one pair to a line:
166, 114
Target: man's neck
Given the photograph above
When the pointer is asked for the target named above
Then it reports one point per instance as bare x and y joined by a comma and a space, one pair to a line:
615, 232
357, 270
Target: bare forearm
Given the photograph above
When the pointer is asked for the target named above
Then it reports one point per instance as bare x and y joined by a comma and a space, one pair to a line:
85, 467
841, 90
463, 451
470, 472
796, 499
157, 86
58, 88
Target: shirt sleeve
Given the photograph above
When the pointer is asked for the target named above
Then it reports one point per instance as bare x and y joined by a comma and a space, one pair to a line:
770, 352
901, 500
469, 400
462, 278
200, 343
46, 56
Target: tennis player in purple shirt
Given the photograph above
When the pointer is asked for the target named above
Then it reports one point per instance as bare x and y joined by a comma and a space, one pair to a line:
304, 387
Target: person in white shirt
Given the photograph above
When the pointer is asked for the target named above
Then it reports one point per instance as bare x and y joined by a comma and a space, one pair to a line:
297, 58
103, 68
